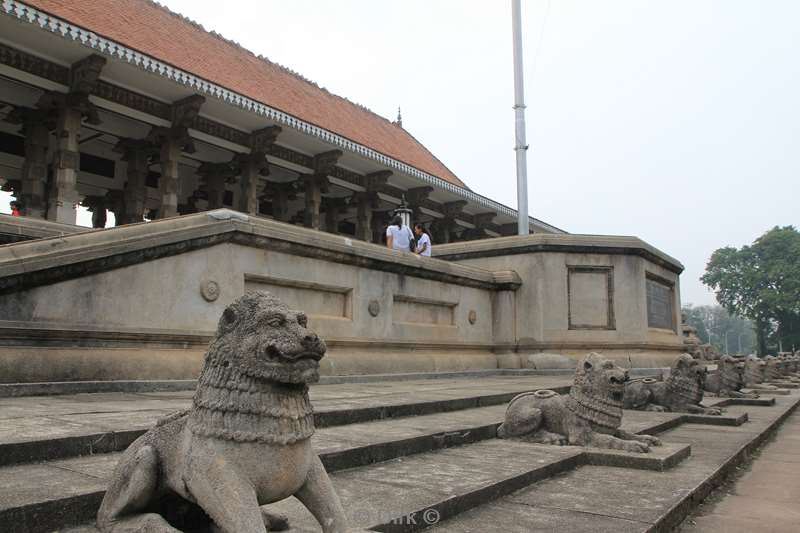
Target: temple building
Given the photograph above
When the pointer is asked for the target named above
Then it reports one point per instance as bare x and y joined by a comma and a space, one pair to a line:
127, 107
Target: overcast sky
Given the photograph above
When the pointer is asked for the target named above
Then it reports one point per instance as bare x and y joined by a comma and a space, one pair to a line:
673, 121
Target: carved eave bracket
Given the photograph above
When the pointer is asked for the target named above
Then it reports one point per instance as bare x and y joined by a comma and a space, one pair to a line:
182, 113
375, 180
452, 210
323, 163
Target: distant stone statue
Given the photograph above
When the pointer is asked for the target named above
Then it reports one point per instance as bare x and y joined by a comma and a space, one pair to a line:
589, 416
777, 372
728, 380
681, 392
754, 374
245, 442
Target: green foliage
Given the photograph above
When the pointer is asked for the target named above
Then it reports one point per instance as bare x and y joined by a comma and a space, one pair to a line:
728, 333
761, 282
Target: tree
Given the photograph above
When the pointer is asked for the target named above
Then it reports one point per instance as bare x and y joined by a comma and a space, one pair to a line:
761, 282
728, 333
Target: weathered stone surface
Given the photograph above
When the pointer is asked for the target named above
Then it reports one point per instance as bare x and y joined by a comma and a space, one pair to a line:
244, 442
590, 416
728, 380
682, 391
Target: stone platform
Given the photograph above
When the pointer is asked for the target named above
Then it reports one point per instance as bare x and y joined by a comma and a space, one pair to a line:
399, 450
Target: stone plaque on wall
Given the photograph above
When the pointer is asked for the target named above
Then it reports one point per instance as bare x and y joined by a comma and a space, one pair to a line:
660, 310
590, 297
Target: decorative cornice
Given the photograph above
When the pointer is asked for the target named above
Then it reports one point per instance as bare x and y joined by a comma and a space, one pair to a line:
582, 244
67, 30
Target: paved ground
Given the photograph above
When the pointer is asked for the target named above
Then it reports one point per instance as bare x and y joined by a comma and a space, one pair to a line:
765, 497
47, 417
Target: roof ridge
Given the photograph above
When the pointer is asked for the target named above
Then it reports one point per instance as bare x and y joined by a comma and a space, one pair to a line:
286, 69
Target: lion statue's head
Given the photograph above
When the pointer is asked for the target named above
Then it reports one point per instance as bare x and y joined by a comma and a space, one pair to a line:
598, 390
754, 370
260, 337
254, 384
687, 378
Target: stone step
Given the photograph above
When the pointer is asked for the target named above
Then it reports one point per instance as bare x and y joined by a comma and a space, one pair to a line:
591, 499
57, 388
55, 427
52, 495
49, 495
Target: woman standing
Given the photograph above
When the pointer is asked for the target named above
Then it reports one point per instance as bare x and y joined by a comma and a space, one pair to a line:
423, 240
398, 236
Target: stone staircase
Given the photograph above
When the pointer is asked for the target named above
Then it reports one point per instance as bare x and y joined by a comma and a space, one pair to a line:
404, 455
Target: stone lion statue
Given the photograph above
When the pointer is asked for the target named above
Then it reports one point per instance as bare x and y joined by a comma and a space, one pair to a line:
776, 371
681, 392
245, 441
728, 380
754, 373
589, 416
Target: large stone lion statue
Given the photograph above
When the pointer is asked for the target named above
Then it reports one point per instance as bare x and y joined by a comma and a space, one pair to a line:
245, 442
728, 380
681, 392
589, 416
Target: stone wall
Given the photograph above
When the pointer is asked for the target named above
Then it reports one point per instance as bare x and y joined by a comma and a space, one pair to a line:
616, 295
145, 299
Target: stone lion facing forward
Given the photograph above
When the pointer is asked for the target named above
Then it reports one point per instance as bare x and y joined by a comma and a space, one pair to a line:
245, 442
589, 416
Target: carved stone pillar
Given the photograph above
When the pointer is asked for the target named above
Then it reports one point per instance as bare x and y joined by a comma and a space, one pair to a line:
32, 188
63, 196
169, 157
380, 219
317, 183
415, 197
333, 208
280, 194
447, 225
253, 166
364, 205
136, 154
367, 201
171, 142
97, 207
312, 191
214, 177
481, 222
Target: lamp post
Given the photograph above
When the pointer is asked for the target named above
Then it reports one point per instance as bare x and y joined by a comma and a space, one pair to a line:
404, 212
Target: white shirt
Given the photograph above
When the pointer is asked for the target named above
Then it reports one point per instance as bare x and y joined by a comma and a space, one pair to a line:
400, 237
424, 239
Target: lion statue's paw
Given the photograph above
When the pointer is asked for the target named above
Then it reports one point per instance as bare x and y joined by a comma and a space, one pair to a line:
635, 446
650, 440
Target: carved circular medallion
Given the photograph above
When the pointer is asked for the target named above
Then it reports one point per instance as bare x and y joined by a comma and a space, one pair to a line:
649, 381
374, 307
210, 290
472, 317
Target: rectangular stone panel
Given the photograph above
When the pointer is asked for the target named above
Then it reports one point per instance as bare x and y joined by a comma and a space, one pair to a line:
314, 299
413, 310
660, 302
591, 297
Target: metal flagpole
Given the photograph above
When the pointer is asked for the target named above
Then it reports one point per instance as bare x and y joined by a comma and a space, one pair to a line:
520, 146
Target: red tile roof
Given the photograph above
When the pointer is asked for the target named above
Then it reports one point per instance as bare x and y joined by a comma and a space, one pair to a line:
154, 30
